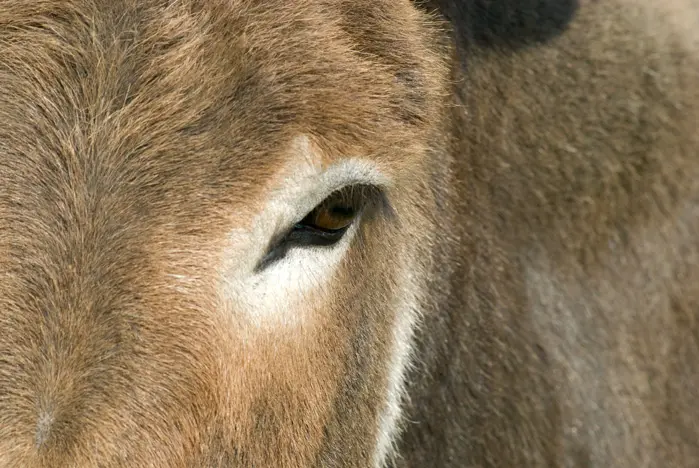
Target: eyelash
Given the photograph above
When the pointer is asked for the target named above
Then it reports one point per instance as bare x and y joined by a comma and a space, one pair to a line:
305, 234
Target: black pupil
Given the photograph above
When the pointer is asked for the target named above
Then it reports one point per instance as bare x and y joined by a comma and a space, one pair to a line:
342, 211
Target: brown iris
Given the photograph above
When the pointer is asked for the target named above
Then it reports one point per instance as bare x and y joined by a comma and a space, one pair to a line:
334, 214
325, 225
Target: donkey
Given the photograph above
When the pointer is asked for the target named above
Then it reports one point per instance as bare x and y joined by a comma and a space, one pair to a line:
349, 233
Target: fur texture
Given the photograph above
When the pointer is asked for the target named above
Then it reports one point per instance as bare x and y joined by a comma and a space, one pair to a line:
540, 206
566, 332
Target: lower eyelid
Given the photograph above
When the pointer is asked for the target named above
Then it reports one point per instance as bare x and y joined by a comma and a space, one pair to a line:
309, 234
298, 239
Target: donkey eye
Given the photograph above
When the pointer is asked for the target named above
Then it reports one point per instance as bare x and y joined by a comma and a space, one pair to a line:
333, 216
328, 221
326, 224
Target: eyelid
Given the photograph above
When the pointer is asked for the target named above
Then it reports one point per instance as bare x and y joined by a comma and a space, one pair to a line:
370, 193
292, 237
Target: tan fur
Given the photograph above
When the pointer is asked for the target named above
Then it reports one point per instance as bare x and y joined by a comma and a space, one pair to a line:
543, 213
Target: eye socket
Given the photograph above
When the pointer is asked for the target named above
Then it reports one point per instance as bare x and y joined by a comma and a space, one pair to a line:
326, 224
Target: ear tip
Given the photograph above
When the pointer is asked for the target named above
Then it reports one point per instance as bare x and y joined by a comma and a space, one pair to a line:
504, 23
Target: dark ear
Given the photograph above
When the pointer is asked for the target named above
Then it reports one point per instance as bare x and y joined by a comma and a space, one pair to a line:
504, 23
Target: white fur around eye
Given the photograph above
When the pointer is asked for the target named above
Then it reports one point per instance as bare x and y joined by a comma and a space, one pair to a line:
276, 294
280, 293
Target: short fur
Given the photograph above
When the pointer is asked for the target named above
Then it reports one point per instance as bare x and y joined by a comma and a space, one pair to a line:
543, 214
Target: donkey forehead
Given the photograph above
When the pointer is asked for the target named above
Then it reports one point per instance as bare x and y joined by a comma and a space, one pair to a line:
194, 98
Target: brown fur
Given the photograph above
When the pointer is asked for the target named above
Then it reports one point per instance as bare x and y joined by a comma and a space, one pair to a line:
545, 198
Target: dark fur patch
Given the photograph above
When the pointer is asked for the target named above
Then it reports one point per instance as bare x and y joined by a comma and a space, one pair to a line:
505, 23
